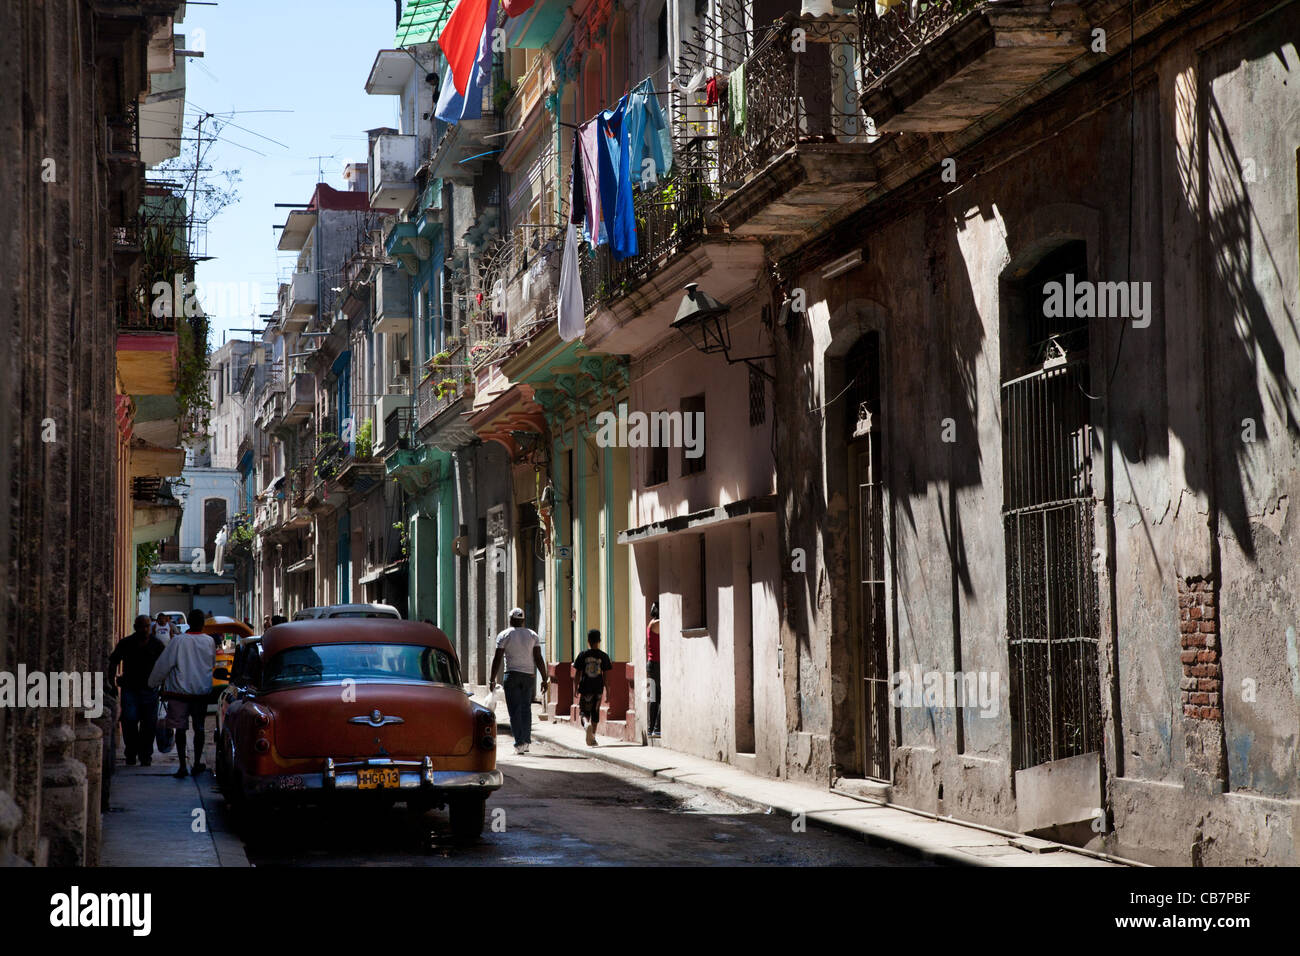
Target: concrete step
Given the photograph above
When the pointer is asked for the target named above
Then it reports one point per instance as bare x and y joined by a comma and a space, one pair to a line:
863, 787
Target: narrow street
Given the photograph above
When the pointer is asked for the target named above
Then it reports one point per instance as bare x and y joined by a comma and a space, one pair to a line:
556, 808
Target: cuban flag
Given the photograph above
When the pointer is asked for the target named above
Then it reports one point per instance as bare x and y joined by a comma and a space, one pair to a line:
454, 104
463, 37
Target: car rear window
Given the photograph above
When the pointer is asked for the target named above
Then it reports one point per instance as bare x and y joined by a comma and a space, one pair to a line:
362, 614
332, 662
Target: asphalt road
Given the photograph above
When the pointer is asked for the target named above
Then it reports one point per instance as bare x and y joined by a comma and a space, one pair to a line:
557, 808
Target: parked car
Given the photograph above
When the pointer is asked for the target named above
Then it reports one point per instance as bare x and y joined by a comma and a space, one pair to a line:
178, 621
355, 709
347, 610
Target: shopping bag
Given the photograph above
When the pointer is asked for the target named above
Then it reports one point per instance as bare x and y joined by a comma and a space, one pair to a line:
491, 699
165, 736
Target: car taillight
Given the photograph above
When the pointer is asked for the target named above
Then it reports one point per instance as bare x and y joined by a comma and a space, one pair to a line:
262, 745
487, 730
262, 719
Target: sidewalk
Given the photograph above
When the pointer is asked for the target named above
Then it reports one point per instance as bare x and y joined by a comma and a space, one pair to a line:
151, 819
934, 839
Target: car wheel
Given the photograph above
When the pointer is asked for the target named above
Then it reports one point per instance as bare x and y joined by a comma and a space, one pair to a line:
467, 817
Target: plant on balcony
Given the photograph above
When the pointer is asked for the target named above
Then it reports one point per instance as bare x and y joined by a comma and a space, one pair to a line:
365, 440
240, 545
192, 395
501, 95
442, 358
448, 386
147, 557
400, 528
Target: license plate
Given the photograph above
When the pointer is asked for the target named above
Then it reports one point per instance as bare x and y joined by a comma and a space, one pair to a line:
378, 778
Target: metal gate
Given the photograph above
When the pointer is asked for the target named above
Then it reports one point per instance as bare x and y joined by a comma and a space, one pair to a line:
1052, 603
865, 454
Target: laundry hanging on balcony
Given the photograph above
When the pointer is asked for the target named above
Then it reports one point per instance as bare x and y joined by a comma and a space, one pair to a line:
586, 170
616, 180
647, 134
454, 104
572, 310
736, 99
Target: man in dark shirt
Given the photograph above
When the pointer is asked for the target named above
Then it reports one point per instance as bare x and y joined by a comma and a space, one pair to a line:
590, 667
137, 653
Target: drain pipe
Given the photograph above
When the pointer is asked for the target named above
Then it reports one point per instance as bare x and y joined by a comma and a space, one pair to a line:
1108, 858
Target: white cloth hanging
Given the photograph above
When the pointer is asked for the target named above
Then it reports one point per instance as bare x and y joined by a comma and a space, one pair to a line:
572, 310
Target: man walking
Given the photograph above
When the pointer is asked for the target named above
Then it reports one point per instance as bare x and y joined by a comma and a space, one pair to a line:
590, 667
184, 671
522, 651
137, 653
162, 628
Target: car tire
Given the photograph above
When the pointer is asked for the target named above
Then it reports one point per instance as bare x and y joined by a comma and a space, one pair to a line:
467, 817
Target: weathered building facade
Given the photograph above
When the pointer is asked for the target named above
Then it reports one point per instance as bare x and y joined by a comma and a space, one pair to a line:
80, 485
1080, 508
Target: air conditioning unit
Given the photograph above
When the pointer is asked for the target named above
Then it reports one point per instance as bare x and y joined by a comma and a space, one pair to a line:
401, 368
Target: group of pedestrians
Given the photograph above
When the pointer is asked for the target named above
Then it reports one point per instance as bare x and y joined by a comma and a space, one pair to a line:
520, 649
161, 663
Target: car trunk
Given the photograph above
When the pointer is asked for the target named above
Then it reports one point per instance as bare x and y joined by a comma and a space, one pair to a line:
315, 721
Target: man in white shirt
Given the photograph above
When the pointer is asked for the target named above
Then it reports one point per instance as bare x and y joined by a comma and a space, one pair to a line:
184, 671
522, 651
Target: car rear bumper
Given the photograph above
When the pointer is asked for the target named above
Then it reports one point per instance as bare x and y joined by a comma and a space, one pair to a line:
345, 778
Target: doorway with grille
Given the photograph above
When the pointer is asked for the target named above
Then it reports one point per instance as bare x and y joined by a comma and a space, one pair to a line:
1048, 520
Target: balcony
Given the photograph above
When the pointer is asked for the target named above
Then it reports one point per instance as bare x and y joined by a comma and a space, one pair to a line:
459, 155
304, 295
124, 136
938, 67
801, 154
148, 351
394, 422
300, 398
394, 158
392, 302
630, 303
441, 400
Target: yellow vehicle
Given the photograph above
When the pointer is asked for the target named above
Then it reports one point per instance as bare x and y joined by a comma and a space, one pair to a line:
226, 632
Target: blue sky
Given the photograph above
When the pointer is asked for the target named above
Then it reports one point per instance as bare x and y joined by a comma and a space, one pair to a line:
309, 57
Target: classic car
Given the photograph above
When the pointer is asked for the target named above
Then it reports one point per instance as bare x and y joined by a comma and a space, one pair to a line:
356, 709
347, 610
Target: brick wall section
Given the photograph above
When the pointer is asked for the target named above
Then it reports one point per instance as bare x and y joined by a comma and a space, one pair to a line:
1202, 683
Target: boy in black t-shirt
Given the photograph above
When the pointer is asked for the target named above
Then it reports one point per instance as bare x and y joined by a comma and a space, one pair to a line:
590, 667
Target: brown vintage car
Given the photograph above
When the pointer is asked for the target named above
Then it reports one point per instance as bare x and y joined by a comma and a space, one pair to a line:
360, 708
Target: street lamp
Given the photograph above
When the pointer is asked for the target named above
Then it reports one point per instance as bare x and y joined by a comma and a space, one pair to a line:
702, 319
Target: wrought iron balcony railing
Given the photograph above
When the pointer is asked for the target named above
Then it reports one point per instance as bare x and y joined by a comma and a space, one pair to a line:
447, 384
798, 88
138, 317
124, 133
886, 40
669, 217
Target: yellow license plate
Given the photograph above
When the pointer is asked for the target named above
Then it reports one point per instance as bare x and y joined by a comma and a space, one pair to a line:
378, 778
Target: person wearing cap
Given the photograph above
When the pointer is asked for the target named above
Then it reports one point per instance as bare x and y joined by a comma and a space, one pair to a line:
522, 651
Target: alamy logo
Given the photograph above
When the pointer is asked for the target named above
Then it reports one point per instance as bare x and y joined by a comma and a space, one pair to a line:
947, 689
1098, 300
80, 691
652, 430
74, 908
